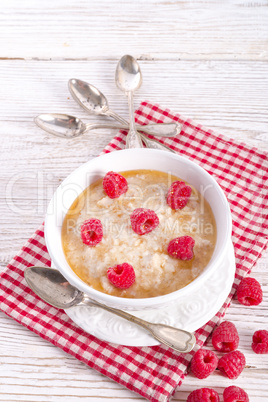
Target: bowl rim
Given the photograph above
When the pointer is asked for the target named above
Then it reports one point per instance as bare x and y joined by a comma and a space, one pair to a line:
136, 303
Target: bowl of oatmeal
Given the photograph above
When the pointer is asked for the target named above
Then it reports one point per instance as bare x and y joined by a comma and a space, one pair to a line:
156, 240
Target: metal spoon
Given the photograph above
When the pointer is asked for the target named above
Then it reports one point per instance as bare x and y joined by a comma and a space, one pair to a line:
66, 126
128, 79
52, 287
94, 102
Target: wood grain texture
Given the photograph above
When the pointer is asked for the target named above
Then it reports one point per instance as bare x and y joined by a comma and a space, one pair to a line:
212, 29
204, 59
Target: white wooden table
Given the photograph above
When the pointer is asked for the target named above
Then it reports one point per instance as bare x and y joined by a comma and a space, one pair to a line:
204, 59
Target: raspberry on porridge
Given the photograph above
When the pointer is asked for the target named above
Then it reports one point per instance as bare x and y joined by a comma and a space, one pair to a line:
182, 248
122, 275
156, 272
91, 232
143, 220
178, 194
114, 184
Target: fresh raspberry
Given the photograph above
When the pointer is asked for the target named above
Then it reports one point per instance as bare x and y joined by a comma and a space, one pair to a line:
91, 232
143, 220
225, 337
178, 195
232, 364
249, 292
122, 275
235, 394
203, 395
260, 342
204, 363
181, 248
114, 184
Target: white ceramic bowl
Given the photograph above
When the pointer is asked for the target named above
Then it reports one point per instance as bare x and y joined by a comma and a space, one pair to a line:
132, 159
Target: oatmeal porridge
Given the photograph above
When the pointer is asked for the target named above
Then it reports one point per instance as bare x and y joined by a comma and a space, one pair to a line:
157, 270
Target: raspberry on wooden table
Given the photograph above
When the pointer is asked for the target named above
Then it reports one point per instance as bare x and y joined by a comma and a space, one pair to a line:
203, 395
143, 220
249, 292
225, 337
260, 342
181, 248
121, 276
178, 195
235, 394
204, 363
114, 184
232, 364
91, 232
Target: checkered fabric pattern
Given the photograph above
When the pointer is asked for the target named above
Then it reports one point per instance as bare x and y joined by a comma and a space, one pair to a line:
153, 372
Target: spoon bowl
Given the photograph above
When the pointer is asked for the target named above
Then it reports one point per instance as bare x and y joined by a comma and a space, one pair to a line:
128, 75
52, 287
61, 125
89, 97
128, 79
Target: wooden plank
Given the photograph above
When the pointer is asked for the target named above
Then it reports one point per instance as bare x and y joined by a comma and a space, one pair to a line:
155, 29
225, 95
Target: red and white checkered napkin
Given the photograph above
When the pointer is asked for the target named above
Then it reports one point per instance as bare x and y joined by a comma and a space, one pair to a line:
153, 372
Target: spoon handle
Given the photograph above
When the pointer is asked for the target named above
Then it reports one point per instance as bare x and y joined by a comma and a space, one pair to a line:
155, 144
155, 129
161, 129
133, 139
177, 339
117, 117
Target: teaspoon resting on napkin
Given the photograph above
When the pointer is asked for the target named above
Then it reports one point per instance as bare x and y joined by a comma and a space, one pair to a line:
51, 286
67, 126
